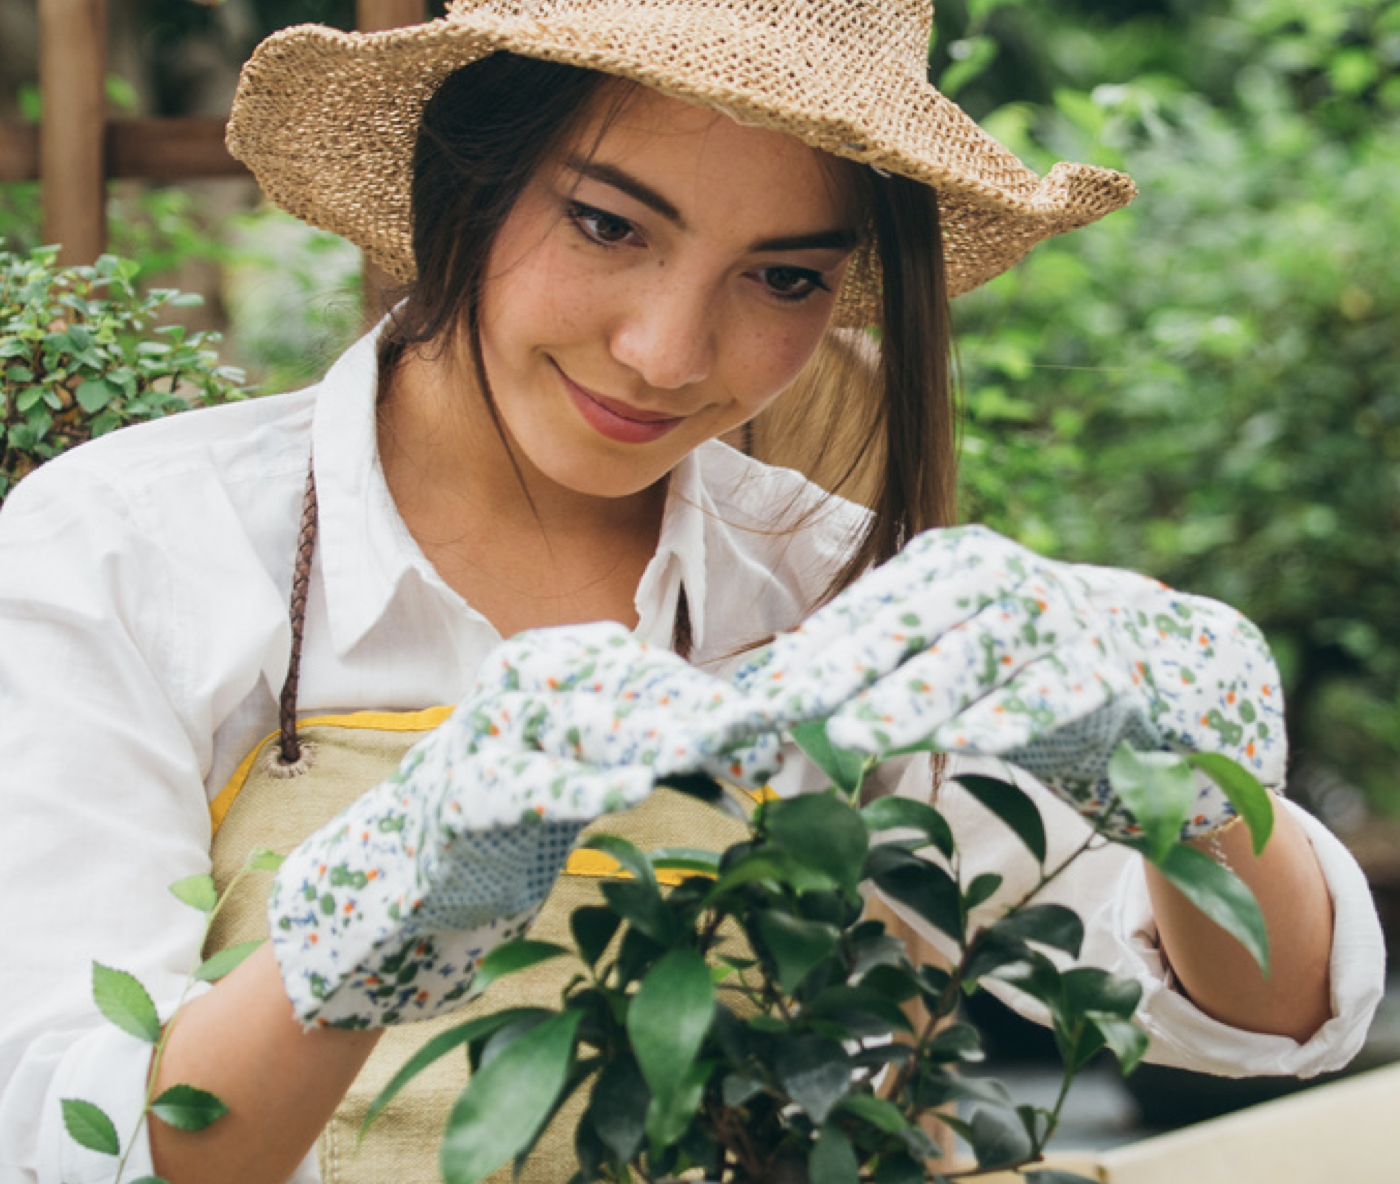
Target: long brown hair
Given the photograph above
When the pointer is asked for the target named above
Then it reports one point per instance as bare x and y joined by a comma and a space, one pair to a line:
492, 124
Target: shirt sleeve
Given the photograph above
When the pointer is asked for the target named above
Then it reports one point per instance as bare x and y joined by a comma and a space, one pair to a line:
1107, 887
105, 807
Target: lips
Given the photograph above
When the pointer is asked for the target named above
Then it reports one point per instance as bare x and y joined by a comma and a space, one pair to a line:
616, 420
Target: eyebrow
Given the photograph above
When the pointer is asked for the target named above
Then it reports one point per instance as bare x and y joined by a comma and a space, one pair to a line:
838, 239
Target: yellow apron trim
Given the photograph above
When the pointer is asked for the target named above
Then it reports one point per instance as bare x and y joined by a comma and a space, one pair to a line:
383, 721
582, 862
585, 861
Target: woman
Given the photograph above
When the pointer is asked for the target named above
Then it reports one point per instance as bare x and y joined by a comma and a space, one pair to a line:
603, 278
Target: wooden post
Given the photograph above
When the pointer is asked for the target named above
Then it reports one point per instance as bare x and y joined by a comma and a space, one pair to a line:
72, 86
372, 16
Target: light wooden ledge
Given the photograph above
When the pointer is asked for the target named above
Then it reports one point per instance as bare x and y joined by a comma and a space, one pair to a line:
1341, 1133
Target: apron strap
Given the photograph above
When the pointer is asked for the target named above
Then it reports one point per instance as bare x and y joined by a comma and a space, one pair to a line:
290, 753
290, 750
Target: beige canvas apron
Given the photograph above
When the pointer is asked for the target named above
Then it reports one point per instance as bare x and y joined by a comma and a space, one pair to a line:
306, 774
262, 807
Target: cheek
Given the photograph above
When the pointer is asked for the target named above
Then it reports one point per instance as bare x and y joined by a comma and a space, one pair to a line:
771, 362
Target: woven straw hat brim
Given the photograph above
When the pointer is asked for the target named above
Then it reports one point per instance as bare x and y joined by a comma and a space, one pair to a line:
327, 120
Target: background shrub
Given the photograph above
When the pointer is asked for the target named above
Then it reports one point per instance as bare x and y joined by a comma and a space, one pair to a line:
81, 354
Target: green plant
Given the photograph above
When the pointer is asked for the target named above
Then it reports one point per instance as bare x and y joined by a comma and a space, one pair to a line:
122, 999
1204, 387
790, 1055
81, 354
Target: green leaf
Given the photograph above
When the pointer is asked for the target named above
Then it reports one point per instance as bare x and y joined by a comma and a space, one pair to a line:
833, 1159
1158, 790
880, 1113
1049, 924
90, 1127
1238, 784
149, 1180
923, 886
196, 891
864, 1013
767, 866
670, 1115
593, 928
990, 954
815, 1072
628, 854
1057, 1176
188, 1108
1128, 1041
1221, 896
686, 859
823, 832
956, 1042
511, 956
893, 813
642, 905
442, 1044
998, 1136
669, 1017
900, 1168
1088, 988
795, 945
263, 859
94, 394
498, 1114
123, 1000
737, 1089
618, 1108
217, 965
981, 890
1012, 805
845, 768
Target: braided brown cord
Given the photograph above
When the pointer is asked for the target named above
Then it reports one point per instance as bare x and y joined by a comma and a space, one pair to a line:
301, 580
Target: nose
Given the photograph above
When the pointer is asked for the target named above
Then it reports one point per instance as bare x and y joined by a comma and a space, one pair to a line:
667, 334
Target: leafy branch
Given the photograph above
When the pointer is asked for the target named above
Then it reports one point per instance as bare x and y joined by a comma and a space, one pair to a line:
751, 1022
123, 1001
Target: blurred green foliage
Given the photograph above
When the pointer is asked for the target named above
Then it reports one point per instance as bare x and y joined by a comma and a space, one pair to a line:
82, 352
1206, 386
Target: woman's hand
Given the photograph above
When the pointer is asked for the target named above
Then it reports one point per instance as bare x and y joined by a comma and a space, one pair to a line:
970, 643
382, 915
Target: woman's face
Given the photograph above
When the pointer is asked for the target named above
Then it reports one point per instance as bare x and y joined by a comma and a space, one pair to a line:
657, 283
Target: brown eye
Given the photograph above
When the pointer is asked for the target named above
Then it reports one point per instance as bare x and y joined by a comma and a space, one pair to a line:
792, 283
606, 229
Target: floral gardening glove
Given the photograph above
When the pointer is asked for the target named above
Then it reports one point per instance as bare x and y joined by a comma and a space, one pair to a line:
975, 644
383, 914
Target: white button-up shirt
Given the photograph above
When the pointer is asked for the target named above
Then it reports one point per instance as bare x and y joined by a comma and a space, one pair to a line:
144, 639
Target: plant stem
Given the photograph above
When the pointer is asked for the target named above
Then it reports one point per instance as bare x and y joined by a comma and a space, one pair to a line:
169, 1026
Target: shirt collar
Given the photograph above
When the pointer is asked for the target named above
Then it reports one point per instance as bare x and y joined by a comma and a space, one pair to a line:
364, 549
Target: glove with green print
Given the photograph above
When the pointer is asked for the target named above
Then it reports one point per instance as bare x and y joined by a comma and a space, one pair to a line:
383, 915
971, 643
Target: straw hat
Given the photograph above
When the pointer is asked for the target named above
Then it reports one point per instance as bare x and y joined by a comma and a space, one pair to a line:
327, 120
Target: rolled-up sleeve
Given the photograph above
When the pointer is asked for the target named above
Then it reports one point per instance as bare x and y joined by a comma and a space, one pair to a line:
1107, 887
1184, 1036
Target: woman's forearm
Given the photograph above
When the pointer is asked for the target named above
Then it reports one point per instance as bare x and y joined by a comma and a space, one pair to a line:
280, 1082
1213, 968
